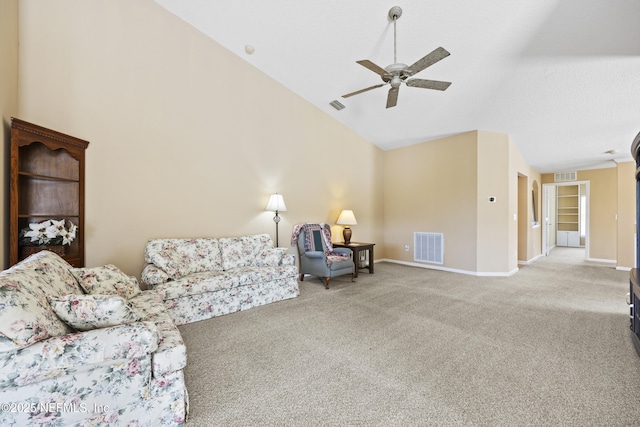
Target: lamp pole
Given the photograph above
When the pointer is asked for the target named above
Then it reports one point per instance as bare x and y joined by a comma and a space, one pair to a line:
276, 219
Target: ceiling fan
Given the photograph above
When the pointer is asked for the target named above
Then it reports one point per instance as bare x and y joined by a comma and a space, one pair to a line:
398, 73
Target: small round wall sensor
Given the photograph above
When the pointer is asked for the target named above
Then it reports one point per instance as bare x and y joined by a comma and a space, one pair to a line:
249, 49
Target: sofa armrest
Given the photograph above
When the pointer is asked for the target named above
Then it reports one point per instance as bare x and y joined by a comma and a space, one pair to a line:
70, 353
153, 275
315, 254
288, 259
342, 251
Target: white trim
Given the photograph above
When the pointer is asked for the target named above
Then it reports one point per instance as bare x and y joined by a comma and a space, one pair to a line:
608, 261
452, 270
623, 268
532, 260
587, 239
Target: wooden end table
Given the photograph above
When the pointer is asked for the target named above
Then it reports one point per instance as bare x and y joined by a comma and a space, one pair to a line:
356, 248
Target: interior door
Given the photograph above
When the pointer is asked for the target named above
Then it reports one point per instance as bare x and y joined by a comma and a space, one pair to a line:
548, 218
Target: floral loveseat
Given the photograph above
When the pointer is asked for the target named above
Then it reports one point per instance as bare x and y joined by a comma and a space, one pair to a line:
116, 359
207, 277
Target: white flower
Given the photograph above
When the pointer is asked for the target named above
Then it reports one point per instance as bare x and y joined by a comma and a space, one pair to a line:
55, 229
38, 232
67, 238
51, 232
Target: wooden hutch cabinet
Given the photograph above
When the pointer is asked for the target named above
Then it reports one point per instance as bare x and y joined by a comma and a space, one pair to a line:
47, 182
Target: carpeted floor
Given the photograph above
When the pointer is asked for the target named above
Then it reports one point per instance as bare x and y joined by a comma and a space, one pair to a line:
549, 346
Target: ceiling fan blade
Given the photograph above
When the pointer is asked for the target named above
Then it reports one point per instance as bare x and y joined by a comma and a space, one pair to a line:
428, 60
428, 84
373, 67
363, 90
392, 98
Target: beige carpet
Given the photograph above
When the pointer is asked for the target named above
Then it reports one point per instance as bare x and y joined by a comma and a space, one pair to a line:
407, 346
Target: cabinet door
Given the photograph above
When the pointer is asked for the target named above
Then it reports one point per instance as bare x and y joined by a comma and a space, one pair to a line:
562, 238
573, 238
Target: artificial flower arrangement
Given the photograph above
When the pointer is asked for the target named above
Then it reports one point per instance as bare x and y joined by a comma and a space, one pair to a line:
48, 233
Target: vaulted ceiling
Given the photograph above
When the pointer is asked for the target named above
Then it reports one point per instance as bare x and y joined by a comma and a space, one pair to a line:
562, 77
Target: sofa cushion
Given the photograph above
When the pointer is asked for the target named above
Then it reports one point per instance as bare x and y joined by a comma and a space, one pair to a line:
181, 257
171, 354
269, 257
106, 280
242, 251
87, 312
55, 275
252, 275
197, 283
152, 275
25, 314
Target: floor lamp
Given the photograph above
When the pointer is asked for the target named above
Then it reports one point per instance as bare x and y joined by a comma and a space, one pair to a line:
276, 204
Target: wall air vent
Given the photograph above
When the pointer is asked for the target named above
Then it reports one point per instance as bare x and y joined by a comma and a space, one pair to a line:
565, 176
428, 247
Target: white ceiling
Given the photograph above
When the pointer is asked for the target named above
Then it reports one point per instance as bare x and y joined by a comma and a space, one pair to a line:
562, 77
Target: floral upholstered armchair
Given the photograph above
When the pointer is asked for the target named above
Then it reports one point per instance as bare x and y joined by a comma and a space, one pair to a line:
317, 255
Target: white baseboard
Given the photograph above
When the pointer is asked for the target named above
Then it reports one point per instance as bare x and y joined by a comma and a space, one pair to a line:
452, 270
607, 261
532, 260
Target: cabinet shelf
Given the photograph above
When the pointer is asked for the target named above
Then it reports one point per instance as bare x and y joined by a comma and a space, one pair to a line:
48, 216
47, 182
568, 216
45, 177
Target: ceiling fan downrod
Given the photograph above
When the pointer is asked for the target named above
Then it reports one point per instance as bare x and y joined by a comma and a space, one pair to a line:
394, 13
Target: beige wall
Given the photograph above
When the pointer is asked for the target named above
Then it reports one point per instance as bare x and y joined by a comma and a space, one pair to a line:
431, 187
180, 149
444, 186
603, 198
186, 139
626, 215
493, 219
527, 237
8, 106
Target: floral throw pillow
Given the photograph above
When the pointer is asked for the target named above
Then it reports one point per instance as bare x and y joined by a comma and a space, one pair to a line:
25, 316
86, 312
269, 257
106, 280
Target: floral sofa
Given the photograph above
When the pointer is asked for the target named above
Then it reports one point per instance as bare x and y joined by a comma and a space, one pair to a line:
85, 346
207, 277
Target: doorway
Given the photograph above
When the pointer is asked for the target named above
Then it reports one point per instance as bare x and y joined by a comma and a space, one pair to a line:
565, 221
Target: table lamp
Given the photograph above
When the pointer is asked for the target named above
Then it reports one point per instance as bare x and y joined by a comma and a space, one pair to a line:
347, 218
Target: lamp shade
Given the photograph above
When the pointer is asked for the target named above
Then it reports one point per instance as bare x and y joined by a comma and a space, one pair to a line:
276, 203
347, 218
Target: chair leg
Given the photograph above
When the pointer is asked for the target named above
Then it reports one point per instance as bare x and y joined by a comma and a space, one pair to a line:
302, 277
353, 277
326, 282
